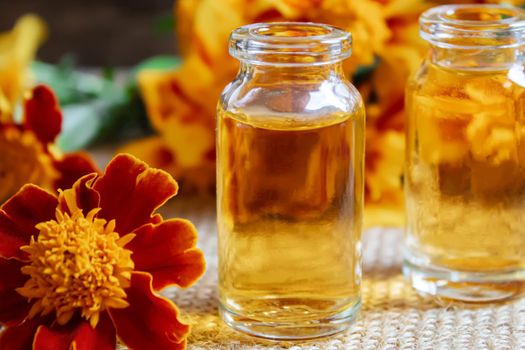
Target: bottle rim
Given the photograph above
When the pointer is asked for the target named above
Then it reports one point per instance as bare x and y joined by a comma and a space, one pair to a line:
479, 25
290, 44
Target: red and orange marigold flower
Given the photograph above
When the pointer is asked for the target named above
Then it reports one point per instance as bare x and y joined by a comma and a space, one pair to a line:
80, 269
29, 154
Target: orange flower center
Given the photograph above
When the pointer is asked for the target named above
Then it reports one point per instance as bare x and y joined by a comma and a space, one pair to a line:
77, 263
23, 161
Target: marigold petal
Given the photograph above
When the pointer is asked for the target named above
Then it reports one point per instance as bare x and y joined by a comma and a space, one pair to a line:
150, 321
130, 191
19, 337
72, 167
152, 150
156, 219
179, 134
30, 206
13, 307
80, 336
19, 216
80, 196
167, 251
43, 115
223, 17
12, 237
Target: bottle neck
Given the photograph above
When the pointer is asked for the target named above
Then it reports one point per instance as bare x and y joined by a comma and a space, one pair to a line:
269, 73
482, 58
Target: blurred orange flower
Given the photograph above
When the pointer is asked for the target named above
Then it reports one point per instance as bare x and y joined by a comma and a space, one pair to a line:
181, 104
82, 268
17, 49
28, 151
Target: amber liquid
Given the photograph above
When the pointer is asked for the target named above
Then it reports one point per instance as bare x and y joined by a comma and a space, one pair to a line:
465, 183
289, 216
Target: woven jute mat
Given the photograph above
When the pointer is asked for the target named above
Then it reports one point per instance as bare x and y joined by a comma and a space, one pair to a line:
392, 316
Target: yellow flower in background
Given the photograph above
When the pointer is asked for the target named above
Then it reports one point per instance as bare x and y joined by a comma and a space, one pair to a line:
17, 49
386, 50
384, 94
185, 144
181, 104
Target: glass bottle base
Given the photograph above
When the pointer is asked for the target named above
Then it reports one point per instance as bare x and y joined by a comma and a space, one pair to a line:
465, 286
291, 330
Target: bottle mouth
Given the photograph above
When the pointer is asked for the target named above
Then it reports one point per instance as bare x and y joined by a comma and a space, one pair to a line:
290, 44
473, 26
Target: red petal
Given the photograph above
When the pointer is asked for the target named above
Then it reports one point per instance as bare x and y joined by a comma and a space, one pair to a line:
45, 339
12, 237
19, 337
156, 219
72, 167
86, 198
78, 336
43, 115
130, 191
19, 216
101, 338
167, 251
13, 307
150, 321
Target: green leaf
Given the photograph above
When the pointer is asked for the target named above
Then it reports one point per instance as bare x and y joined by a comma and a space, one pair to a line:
71, 86
161, 62
80, 126
97, 108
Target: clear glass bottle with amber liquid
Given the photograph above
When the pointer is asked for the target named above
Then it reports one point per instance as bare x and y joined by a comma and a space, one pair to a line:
290, 183
465, 169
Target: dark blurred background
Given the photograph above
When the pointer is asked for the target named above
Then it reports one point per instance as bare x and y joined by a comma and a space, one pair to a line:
99, 32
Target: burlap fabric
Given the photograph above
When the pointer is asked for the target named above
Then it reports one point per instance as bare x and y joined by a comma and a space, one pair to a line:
392, 317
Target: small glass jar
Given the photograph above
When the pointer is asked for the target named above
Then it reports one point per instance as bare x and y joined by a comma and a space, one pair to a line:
465, 168
290, 183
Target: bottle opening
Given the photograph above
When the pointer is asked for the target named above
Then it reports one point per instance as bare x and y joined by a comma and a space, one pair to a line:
473, 26
290, 30
480, 15
290, 44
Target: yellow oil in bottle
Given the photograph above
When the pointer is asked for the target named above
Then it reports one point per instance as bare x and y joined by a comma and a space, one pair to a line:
289, 216
466, 169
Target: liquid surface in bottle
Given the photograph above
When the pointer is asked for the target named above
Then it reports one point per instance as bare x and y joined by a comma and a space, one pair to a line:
465, 184
289, 216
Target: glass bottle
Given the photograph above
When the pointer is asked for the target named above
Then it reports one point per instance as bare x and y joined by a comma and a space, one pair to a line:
465, 168
290, 183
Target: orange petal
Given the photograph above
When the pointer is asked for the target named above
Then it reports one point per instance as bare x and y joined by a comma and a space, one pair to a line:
79, 336
150, 321
13, 307
167, 251
19, 337
72, 167
153, 151
82, 195
130, 191
43, 115
19, 216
